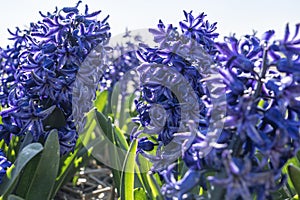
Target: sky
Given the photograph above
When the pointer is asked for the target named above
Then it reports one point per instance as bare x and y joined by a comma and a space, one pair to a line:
233, 16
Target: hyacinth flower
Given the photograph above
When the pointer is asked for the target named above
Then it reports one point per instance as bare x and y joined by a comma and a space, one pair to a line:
164, 61
260, 131
260, 127
175, 101
48, 72
4, 164
121, 60
241, 181
264, 123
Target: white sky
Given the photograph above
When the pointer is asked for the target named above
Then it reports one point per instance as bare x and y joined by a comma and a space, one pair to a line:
233, 16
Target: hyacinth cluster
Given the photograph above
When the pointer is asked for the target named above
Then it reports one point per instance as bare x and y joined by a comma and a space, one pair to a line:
262, 112
170, 75
120, 61
50, 73
228, 111
242, 99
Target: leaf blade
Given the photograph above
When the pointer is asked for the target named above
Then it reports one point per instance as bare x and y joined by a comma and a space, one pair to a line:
127, 178
44, 178
140, 194
294, 174
23, 158
14, 197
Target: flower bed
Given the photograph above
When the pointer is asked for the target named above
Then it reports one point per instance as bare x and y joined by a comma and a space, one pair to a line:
183, 116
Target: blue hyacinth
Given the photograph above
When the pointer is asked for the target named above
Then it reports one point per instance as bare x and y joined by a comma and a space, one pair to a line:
174, 103
245, 146
121, 60
47, 73
4, 164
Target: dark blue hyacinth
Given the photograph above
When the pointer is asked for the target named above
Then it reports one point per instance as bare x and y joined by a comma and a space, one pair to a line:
120, 61
256, 133
173, 98
4, 164
228, 110
40, 89
174, 58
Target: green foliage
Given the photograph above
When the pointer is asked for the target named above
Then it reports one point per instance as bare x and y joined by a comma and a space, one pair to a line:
101, 99
113, 113
39, 171
106, 129
72, 162
26, 177
151, 183
46, 171
140, 194
292, 187
294, 174
14, 197
25, 156
127, 178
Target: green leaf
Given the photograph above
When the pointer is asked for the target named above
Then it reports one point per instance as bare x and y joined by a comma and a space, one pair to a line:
149, 182
28, 139
101, 100
114, 152
121, 105
140, 194
65, 169
287, 190
70, 167
67, 162
23, 158
87, 135
115, 99
294, 174
27, 174
86, 142
120, 138
55, 120
44, 178
104, 124
127, 178
14, 197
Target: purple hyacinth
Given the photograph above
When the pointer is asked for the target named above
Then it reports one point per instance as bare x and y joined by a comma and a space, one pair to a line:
175, 101
262, 89
259, 131
244, 180
47, 70
175, 55
120, 61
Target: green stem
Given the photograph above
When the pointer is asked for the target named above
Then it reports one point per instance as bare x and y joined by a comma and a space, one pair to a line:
108, 109
122, 112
